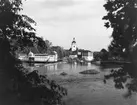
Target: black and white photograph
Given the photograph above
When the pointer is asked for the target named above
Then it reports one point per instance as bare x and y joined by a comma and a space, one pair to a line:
68, 52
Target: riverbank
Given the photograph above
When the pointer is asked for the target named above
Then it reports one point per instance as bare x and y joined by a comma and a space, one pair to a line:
110, 62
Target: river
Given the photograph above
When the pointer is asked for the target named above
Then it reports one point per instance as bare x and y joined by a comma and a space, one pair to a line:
86, 89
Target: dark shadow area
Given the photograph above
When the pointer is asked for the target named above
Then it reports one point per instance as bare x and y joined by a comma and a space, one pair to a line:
21, 86
18, 86
125, 77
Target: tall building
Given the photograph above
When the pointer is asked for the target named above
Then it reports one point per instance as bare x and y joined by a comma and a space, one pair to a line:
73, 45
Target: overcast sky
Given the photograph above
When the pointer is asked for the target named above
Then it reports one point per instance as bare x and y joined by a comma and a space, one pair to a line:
61, 20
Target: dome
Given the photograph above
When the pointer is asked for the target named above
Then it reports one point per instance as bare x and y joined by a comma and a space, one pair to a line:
73, 40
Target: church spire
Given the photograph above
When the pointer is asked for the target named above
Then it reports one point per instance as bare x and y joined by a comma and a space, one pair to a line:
73, 45
73, 41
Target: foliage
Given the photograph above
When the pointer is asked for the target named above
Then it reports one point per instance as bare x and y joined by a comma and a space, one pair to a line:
16, 32
122, 18
102, 55
125, 77
39, 87
96, 56
15, 29
38, 46
60, 51
48, 44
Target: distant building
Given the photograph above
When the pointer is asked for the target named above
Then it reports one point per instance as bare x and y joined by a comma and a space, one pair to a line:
85, 54
53, 57
73, 55
73, 45
80, 53
73, 49
38, 57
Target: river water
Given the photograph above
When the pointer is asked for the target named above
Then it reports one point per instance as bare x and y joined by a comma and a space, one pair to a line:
86, 89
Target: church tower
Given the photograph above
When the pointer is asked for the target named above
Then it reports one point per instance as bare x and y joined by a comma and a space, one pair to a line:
73, 45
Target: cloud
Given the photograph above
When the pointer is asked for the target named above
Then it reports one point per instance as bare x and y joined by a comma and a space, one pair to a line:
56, 3
68, 10
69, 18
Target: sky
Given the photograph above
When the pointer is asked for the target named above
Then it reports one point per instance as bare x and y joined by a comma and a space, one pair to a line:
59, 21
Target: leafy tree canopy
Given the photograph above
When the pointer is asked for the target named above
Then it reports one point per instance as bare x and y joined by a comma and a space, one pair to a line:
16, 31
122, 18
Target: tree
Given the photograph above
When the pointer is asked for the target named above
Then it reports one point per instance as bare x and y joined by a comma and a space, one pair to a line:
103, 54
41, 45
125, 77
60, 51
122, 18
48, 46
16, 31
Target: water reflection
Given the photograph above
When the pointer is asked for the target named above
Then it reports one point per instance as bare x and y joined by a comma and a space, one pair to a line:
58, 68
51, 67
125, 77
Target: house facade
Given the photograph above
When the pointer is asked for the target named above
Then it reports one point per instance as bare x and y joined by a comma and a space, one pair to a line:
37, 57
53, 57
85, 55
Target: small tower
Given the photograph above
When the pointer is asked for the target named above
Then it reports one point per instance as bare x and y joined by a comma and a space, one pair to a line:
73, 45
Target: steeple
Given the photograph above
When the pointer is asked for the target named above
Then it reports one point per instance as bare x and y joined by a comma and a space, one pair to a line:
73, 45
73, 41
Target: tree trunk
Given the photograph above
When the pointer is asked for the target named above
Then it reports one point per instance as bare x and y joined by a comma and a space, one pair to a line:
4, 52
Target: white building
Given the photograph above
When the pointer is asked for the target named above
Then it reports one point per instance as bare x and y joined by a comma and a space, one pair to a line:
85, 54
38, 57
53, 57
73, 45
